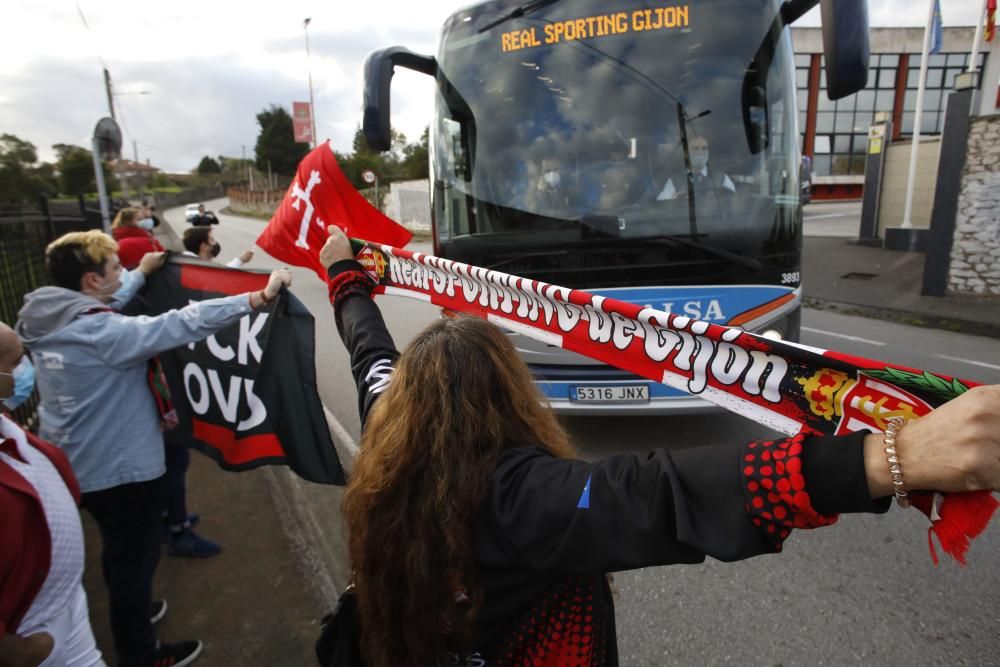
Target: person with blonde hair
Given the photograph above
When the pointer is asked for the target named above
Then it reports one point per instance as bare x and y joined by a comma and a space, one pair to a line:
134, 233
477, 536
101, 404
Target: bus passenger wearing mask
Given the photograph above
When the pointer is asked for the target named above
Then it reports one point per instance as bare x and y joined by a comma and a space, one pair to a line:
704, 178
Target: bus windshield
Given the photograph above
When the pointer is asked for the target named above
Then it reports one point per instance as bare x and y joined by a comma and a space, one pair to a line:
618, 125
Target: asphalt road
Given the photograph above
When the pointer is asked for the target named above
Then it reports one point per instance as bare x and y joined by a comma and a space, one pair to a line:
862, 592
832, 218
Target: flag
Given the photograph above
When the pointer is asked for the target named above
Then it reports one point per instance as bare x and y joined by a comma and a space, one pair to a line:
302, 122
937, 32
320, 195
787, 387
246, 396
991, 19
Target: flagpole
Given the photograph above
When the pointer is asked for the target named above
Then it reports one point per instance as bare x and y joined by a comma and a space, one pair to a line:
914, 149
977, 41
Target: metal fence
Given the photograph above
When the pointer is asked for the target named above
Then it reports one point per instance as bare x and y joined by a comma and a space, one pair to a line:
25, 231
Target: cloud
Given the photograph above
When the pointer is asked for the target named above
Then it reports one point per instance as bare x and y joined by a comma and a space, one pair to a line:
210, 69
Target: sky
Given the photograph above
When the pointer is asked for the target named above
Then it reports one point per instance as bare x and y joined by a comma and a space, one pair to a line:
191, 75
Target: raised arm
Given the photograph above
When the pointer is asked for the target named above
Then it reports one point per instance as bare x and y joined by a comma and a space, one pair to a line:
359, 321
126, 341
730, 501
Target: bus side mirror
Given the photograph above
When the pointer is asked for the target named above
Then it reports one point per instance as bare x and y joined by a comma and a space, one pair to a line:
845, 45
379, 68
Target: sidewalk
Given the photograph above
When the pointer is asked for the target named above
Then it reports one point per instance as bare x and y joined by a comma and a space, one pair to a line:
885, 284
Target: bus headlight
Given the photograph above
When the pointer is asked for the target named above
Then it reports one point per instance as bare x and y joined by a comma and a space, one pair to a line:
772, 334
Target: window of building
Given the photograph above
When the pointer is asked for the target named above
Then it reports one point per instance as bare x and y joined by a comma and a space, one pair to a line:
942, 68
839, 123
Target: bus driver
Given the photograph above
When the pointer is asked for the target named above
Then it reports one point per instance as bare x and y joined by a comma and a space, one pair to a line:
704, 178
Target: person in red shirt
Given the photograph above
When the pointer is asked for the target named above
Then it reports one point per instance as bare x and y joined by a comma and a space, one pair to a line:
43, 607
134, 232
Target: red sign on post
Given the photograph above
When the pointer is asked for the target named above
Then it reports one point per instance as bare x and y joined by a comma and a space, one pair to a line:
302, 122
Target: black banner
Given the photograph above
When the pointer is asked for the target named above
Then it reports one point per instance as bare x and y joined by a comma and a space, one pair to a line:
247, 395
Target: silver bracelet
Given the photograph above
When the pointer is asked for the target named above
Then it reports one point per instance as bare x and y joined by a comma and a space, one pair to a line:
892, 429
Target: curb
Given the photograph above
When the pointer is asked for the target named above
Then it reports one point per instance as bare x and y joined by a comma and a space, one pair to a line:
909, 318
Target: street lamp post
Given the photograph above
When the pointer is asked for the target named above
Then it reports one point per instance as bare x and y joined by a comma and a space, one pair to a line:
312, 106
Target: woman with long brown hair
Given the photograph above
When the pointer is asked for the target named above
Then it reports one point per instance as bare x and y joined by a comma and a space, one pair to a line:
477, 538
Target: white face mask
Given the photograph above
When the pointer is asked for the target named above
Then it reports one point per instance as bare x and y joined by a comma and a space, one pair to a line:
552, 179
147, 224
699, 160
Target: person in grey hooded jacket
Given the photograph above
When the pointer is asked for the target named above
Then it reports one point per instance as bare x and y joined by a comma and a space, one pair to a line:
92, 366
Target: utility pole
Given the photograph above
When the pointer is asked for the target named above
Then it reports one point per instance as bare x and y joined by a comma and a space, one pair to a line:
135, 158
270, 178
107, 88
249, 175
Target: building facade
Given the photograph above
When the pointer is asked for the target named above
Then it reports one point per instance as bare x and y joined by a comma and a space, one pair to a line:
834, 134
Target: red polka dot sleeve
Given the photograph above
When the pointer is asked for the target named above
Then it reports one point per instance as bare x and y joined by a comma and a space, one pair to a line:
775, 489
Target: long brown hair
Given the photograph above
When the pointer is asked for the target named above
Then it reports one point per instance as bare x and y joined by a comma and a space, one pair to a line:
459, 397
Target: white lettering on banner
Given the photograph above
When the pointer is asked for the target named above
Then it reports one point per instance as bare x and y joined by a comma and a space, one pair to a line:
305, 196
248, 338
258, 413
600, 323
660, 339
227, 402
201, 387
194, 372
250, 328
772, 368
680, 341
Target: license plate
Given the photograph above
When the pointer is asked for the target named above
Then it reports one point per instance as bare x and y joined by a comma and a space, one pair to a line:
631, 393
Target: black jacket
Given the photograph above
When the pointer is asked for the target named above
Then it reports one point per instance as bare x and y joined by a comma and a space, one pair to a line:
205, 219
550, 529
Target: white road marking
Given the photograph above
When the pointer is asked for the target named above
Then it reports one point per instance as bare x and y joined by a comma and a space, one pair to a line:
969, 361
823, 332
342, 438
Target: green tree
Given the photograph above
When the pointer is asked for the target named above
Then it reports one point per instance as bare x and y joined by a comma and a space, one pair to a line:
415, 163
21, 179
76, 170
276, 144
208, 166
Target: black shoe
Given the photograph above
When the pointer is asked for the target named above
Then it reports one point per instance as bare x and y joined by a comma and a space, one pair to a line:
157, 610
176, 655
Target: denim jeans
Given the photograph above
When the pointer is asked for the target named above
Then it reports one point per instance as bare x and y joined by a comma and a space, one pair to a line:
129, 518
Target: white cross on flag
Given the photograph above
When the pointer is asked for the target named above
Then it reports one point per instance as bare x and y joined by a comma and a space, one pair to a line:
320, 195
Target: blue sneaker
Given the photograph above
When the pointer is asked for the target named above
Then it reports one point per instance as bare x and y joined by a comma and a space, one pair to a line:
192, 520
188, 544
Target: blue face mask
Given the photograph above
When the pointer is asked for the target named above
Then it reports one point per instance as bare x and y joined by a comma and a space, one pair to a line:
24, 384
147, 224
122, 291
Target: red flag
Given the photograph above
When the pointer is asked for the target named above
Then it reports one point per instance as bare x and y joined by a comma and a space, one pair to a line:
320, 196
302, 122
991, 19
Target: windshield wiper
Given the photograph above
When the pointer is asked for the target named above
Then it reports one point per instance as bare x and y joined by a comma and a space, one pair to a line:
748, 262
523, 10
